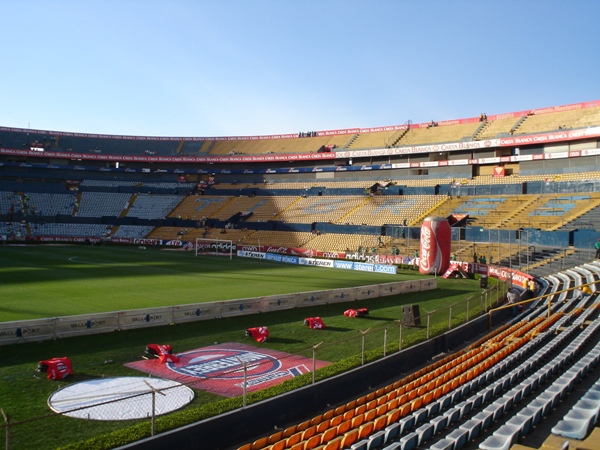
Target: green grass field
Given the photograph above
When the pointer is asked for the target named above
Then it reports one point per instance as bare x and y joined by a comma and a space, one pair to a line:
39, 281
63, 280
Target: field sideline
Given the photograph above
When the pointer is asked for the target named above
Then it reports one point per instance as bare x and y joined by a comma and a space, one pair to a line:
50, 281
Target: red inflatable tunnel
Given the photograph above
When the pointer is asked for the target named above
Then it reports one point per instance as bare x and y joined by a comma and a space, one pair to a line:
360, 312
164, 352
260, 334
314, 323
56, 368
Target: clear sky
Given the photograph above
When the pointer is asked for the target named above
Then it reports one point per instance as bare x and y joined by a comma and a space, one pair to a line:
251, 67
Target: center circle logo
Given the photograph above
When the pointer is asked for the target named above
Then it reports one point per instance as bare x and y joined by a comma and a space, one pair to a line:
223, 364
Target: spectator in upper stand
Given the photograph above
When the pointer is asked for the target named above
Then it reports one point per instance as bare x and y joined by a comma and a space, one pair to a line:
597, 247
475, 259
512, 297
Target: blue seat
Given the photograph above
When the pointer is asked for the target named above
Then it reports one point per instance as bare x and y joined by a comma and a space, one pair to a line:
393, 446
458, 437
433, 408
452, 415
544, 403
473, 427
526, 387
502, 439
360, 445
523, 422
445, 401
487, 394
465, 407
420, 416
533, 411
496, 388
391, 432
497, 408
577, 424
443, 444
376, 440
485, 417
406, 423
516, 394
424, 432
409, 441
439, 423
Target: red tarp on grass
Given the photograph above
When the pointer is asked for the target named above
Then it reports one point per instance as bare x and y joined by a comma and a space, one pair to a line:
219, 368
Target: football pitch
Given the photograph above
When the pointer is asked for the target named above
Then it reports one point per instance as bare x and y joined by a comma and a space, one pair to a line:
51, 281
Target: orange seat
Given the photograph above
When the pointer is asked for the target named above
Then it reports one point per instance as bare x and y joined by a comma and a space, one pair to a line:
298, 446
349, 438
343, 427
275, 437
402, 399
323, 426
279, 445
246, 447
339, 410
392, 395
370, 415
289, 431
336, 444
366, 429
381, 400
357, 421
427, 398
329, 414
416, 404
316, 420
405, 410
381, 410
329, 435
380, 422
361, 400
260, 443
336, 420
393, 416
372, 404
392, 404
309, 432
350, 405
360, 409
303, 426
313, 442
293, 439
349, 414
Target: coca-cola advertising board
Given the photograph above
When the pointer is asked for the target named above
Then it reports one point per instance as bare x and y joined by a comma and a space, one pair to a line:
434, 254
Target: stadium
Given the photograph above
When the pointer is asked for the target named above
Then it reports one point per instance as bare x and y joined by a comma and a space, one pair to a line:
292, 228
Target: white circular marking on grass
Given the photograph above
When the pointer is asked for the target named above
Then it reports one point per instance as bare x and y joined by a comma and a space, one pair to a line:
120, 398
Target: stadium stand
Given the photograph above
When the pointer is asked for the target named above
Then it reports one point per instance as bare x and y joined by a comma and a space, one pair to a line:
532, 206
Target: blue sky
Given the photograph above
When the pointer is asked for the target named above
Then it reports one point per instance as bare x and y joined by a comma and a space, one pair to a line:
251, 67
